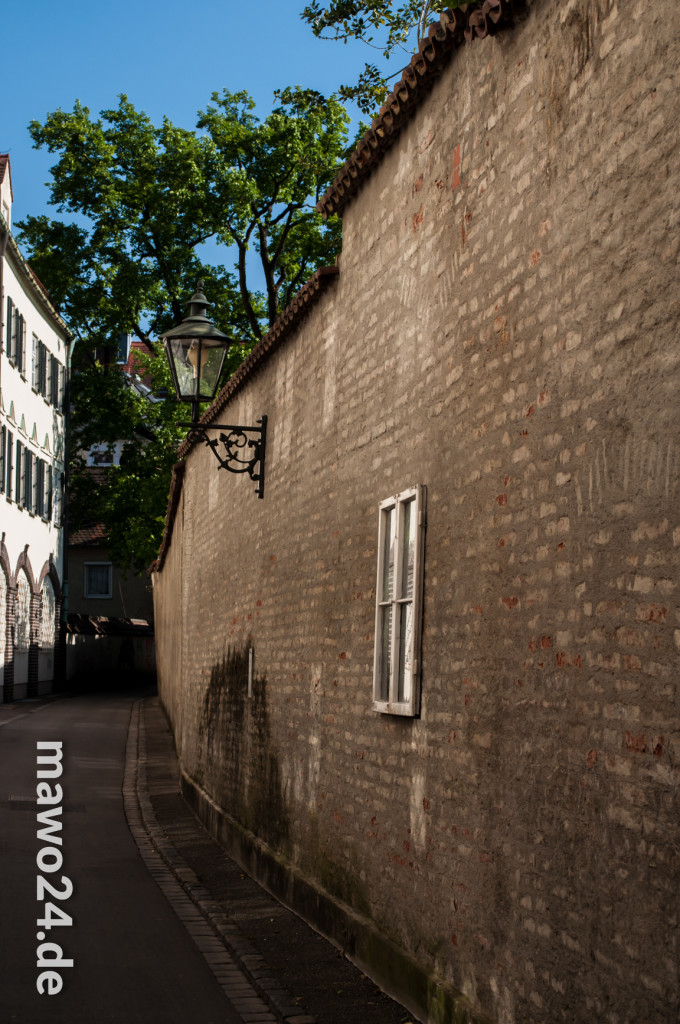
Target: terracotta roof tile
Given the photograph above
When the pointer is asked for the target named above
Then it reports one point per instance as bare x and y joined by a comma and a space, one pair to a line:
93, 534
455, 27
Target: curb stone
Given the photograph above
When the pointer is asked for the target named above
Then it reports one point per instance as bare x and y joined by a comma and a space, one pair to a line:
238, 967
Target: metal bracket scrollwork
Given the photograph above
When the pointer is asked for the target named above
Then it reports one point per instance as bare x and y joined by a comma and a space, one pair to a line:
243, 448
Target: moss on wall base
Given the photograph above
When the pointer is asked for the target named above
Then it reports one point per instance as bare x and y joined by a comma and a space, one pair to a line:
427, 997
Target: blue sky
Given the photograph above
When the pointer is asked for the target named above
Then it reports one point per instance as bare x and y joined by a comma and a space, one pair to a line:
168, 57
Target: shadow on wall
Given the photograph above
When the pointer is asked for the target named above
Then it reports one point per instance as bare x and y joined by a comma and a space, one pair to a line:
239, 761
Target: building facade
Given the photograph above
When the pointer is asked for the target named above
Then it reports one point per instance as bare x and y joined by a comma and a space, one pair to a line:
33, 373
426, 690
110, 617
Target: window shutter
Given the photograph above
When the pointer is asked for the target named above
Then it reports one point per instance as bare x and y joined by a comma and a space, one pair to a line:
33, 468
19, 475
8, 328
42, 466
9, 450
28, 479
54, 381
21, 344
48, 500
56, 497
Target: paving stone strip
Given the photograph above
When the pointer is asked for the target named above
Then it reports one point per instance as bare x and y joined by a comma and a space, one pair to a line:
240, 971
303, 978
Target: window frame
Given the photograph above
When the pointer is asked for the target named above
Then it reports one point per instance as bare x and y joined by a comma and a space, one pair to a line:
86, 589
404, 661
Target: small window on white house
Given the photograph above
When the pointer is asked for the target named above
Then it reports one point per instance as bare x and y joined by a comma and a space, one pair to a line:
98, 579
398, 615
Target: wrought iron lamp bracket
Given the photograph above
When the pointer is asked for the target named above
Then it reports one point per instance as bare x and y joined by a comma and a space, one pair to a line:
243, 448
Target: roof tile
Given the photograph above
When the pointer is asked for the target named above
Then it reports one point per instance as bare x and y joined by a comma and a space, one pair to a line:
455, 27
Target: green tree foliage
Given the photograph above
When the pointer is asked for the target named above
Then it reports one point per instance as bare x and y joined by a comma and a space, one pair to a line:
388, 27
141, 203
131, 500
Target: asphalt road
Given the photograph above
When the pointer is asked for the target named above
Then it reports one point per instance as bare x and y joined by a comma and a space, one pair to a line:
134, 962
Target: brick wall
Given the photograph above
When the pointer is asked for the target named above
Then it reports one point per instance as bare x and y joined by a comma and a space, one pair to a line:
503, 330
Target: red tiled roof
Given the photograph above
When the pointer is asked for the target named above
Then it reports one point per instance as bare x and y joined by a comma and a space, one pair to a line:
93, 534
464, 24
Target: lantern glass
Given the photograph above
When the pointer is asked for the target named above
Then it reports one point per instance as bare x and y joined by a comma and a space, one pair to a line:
196, 365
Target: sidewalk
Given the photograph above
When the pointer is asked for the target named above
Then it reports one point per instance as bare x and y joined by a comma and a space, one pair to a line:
26, 706
302, 977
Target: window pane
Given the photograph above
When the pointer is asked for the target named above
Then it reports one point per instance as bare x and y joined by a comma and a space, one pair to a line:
385, 653
407, 553
405, 647
389, 528
98, 580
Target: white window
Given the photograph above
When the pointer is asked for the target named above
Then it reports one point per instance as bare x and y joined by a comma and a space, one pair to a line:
47, 614
398, 613
3, 617
22, 629
98, 579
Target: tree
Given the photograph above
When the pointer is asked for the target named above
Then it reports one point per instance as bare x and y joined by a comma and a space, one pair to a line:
132, 498
144, 201
381, 24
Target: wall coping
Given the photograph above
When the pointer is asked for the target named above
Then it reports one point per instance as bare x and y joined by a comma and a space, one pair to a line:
456, 27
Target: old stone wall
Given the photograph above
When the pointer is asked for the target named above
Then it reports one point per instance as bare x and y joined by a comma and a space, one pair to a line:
503, 331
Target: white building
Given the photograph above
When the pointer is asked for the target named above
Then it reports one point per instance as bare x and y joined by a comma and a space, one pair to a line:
34, 362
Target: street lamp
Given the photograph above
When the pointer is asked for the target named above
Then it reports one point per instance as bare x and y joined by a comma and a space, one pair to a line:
196, 351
